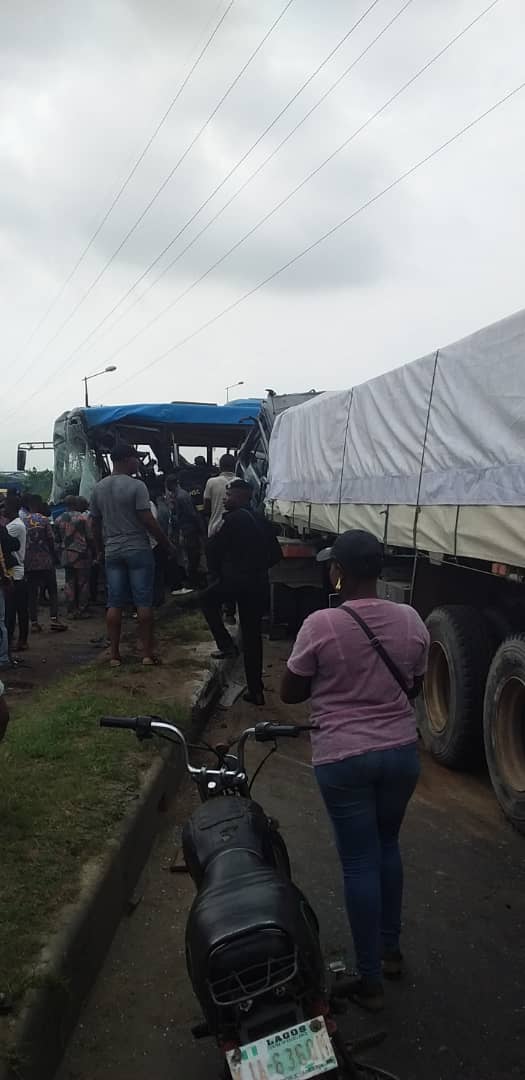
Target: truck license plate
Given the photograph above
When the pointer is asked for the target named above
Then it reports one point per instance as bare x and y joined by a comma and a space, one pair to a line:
302, 1051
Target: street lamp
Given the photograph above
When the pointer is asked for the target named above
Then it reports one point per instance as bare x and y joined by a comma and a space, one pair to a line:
111, 367
232, 387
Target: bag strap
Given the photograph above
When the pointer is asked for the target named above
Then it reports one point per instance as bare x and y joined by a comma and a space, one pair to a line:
411, 692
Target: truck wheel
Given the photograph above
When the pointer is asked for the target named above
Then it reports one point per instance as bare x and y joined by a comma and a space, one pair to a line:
451, 707
504, 728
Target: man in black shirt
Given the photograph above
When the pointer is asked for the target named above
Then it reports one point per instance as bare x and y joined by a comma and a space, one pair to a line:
238, 566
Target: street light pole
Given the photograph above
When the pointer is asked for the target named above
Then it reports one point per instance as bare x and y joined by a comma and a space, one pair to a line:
232, 387
111, 367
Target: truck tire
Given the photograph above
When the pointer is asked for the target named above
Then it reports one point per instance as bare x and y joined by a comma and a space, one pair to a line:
504, 729
450, 710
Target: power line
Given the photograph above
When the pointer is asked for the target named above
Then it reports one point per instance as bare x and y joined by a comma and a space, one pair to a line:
256, 172
306, 179
164, 183
342, 146
335, 228
224, 180
126, 182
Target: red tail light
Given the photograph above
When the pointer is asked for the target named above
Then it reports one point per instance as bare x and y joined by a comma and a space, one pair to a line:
322, 1008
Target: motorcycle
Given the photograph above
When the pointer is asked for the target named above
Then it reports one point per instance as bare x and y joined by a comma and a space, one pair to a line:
253, 952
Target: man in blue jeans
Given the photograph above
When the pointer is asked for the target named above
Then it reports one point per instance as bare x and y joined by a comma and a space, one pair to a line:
123, 523
361, 665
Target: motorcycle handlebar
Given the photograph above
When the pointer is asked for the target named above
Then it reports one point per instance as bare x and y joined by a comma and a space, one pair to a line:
131, 723
267, 731
147, 726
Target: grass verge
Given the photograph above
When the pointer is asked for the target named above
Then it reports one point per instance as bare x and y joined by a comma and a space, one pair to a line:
65, 786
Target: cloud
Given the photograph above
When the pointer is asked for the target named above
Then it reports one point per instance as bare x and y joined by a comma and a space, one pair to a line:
82, 89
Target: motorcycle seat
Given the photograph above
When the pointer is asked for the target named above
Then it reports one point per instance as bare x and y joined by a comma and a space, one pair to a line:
245, 914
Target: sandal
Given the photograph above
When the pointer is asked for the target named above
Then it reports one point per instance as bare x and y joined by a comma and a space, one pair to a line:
115, 663
151, 661
57, 626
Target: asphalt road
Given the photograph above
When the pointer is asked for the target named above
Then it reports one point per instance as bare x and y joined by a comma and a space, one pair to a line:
458, 1015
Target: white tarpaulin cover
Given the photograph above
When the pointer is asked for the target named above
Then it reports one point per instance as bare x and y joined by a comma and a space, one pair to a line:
448, 429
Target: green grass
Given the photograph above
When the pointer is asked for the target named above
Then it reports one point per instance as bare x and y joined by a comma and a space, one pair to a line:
65, 786
190, 627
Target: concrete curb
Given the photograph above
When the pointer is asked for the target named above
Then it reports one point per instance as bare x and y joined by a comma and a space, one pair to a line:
69, 964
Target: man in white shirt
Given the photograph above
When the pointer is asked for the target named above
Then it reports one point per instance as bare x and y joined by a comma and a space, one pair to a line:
215, 491
16, 598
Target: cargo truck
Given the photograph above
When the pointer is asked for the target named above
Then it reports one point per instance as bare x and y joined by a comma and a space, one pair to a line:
431, 458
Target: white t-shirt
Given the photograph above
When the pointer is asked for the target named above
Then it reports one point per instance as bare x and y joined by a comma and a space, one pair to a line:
215, 491
17, 529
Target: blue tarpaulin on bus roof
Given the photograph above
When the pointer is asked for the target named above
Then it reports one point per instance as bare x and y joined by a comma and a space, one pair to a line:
174, 414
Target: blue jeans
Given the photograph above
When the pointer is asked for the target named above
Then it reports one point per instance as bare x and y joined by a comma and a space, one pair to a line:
130, 578
366, 797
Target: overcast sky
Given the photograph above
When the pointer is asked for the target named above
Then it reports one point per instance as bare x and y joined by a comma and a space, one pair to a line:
82, 88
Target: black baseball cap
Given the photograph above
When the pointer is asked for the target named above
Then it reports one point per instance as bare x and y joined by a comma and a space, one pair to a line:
122, 451
357, 551
239, 485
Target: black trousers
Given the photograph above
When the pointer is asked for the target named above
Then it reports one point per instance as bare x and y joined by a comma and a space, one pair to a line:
17, 605
193, 547
250, 606
159, 583
42, 579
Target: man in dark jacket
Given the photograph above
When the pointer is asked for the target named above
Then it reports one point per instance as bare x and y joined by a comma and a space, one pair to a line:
238, 567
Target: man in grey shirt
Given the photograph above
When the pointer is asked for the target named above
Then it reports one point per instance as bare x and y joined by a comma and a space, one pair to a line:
123, 523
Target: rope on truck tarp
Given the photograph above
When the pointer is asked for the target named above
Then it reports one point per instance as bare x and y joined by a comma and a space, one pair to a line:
343, 461
456, 527
420, 480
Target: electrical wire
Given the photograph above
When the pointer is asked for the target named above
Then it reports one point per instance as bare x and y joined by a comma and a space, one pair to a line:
126, 182
306, 179
330, 232
272, 154
269, 157
266, 217
162, 186
224, 180
261, 765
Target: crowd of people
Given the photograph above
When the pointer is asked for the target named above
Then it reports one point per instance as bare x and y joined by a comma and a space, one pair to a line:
360, 663
208, 543
128, 545
33, 545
